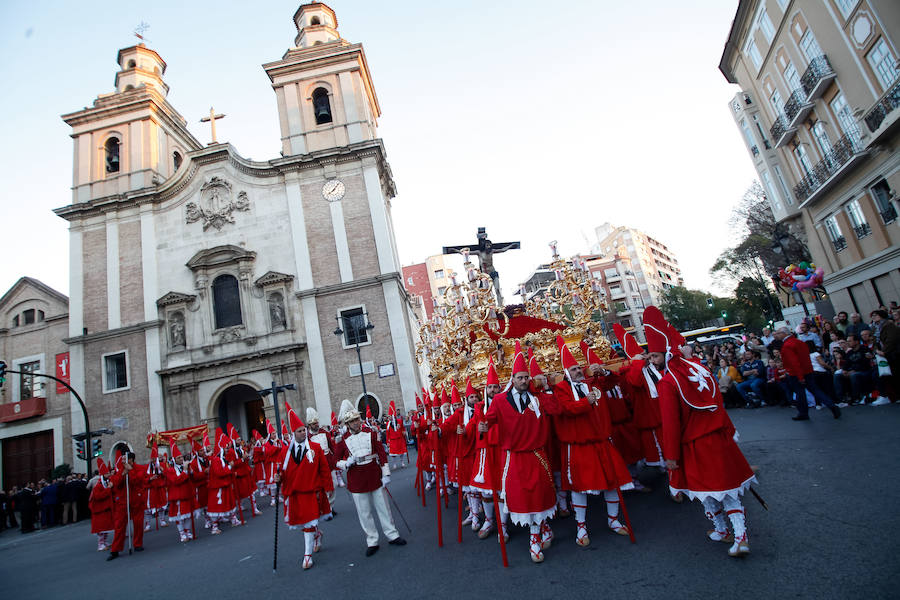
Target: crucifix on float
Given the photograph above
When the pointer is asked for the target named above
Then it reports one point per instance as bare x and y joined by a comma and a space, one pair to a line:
211, 119
486, 250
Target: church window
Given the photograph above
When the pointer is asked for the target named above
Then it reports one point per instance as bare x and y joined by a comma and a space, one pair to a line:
16, 321
353, 322
129, 87
176, 159
131, 64
29, 316
315, 21
321, 106
29, 387
111, 150
115, 371
226, 301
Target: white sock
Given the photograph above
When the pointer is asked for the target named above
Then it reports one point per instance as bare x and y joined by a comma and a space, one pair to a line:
579, 503
735, 511
474, 504
488, 510
715, 513
612, 506
309, 538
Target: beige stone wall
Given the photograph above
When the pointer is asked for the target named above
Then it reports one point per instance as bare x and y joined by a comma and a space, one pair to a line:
320, 235
358, 224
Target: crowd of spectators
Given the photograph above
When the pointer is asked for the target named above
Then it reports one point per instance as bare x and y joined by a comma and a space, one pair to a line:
853, 362
46, 504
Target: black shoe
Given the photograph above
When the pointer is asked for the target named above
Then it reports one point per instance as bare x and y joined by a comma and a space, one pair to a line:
112, 556
138, 548
371, 550
397, 541
800, 418
836, 412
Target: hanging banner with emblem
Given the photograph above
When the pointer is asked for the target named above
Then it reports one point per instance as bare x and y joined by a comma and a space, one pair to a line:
62, 371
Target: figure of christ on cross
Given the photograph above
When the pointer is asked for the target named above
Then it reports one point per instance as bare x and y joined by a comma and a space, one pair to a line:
486, 250
211, 119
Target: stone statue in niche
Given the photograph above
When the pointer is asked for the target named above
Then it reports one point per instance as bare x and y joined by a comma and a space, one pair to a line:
276, 311
176, 330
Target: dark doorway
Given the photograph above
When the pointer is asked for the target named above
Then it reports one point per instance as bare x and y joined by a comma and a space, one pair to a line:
241, 406
27, 458
372, 403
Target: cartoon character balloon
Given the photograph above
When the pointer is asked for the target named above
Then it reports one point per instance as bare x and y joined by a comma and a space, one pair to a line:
801, 276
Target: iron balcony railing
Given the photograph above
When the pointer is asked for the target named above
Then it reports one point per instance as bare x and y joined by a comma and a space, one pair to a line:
839, 244
780, 131
878, 113
862, 230
889, 214
839, 155
816, 77
796, 106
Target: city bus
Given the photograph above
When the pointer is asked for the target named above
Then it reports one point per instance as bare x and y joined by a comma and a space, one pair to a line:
715, 335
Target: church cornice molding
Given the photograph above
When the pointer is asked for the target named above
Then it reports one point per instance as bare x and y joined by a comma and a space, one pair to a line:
339, 288
219, 362
111, 333
273, 278
175, 298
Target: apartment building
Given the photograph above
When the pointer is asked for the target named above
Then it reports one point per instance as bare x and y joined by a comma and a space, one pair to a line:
818, 112
428, 280
652, 263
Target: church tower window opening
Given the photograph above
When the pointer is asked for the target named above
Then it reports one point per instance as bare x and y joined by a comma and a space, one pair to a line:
131, 64
321, 106
226, 301
315, 21
111, 151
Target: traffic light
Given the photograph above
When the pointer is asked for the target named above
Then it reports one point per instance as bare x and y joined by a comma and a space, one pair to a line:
95, 448
79, 449
724, 314
2, 373
709, 302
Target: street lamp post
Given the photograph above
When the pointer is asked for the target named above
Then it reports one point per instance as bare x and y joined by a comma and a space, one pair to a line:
367, 326
779, 246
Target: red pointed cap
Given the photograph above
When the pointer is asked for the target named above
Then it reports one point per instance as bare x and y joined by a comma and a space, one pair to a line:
257, 435
492, 373
444, 398
565, 355
270, 429
221, 439
519, 365
206, 443
470, 389
294, 420
285, 434
368, 412
175, 451
392, 410
629, 344
234, 435
154, 452
518, 348
534, 368
655, 330
589, 355
195, 445
334, 422
101, 466
454, 394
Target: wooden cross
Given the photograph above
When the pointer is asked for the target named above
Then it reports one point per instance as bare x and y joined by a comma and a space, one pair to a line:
211, 119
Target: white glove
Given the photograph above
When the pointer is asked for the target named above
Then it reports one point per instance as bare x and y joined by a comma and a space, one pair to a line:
385, 471
341, 464
385, 480
351, 460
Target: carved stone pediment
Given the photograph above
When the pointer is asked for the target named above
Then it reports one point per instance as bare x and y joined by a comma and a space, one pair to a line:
174, 298
272, 278
216, 205
220, 255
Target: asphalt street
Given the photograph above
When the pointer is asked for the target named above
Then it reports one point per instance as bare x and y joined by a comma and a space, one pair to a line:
831, 531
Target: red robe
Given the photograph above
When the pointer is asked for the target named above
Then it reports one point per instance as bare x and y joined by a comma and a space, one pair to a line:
463, 454
181, 491
326, 443
259, 474
701, 442
156, 491
646, 415
488, 458
396, 439
199, 479
272, 452
590, 463
625, 436
126, 489
220, 494
526, 481
423, 456
243, 478
101, 505
303, 482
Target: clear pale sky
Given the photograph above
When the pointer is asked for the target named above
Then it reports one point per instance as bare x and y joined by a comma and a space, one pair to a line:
537, 120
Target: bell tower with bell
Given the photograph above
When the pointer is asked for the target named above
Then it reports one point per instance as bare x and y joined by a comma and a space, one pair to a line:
323, 87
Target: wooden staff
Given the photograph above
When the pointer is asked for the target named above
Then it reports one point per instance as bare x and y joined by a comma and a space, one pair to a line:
439, 480
497, 511
625, 514
459, 502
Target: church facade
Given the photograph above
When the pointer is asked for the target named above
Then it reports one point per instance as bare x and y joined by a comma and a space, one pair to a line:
198, 277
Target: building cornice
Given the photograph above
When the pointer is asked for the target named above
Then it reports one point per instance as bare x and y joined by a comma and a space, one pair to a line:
732, 44
218, 362
860, 271
338, 288
112, 333
172, 187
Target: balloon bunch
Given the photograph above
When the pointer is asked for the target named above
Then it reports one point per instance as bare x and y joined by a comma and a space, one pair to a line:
801, 276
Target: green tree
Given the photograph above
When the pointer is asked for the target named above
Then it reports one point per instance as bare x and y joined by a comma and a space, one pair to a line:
688, 309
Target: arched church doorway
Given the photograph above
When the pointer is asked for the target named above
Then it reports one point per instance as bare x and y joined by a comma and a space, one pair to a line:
373, 404
241, 406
